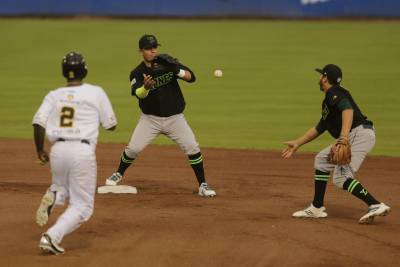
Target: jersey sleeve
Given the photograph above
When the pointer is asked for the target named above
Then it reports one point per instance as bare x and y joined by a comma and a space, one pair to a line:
183, 67
44, 111
136, 81
106, 112
321, 127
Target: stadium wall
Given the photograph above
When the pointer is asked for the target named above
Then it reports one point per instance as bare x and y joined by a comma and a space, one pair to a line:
203, 8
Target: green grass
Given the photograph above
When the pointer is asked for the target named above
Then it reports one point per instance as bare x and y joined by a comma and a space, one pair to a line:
268, 94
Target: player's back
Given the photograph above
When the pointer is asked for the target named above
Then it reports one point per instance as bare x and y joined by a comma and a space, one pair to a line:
75, 112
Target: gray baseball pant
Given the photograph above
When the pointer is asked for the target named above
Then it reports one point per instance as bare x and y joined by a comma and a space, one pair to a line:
362, 140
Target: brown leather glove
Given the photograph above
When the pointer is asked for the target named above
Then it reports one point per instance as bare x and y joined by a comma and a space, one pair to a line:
340, 153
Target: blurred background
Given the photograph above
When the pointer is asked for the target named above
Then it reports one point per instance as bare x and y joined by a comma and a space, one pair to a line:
267, 51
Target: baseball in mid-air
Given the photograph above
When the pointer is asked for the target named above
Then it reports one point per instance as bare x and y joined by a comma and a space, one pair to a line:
218, 73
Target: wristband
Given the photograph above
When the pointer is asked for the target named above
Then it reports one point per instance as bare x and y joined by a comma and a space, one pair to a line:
142, 92
181, 73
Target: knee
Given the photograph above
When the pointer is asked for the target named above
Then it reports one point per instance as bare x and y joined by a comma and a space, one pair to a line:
133, 151
191, 149
320, 163
339, 181
86, 212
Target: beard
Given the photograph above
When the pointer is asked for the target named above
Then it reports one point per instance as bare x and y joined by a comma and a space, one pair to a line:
320, 86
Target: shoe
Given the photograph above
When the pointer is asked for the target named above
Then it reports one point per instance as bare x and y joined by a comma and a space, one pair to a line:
47, 245
206, 191
374, 210
311, 212
45, 208
114, 179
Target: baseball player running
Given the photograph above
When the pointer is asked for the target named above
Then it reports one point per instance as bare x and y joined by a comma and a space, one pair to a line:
70, 117
343, 119
155, 84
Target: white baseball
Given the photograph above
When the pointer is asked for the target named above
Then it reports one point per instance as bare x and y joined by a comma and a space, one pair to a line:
218, 73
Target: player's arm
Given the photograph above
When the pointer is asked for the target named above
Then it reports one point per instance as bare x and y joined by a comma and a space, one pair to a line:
39, 126
39, 133
347, 117
293, 145
141, 84
186, 74
107, 116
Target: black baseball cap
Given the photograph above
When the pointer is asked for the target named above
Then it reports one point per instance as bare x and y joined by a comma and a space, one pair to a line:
148, 41
332, 72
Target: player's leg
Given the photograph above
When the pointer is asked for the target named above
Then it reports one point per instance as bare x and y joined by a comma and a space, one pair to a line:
148, 128
60, 160
362, 141
57, 192
322, 173
82, 187
178, 130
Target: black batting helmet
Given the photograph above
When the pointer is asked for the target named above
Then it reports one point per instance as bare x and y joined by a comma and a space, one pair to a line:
74, 66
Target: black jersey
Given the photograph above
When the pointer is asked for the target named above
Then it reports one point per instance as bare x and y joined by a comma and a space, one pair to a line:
336, 100
166, 98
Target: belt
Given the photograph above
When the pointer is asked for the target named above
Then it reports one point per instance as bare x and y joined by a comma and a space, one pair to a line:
82, 141
368, 126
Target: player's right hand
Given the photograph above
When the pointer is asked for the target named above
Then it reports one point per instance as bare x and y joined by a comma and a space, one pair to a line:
43, 158
148, 82
291, 148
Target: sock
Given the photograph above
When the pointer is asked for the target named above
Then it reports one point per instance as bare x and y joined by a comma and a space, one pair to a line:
124, 163
320, 181
354, 187
196, 161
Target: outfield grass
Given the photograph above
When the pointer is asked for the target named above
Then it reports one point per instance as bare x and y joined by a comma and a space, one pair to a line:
269, 91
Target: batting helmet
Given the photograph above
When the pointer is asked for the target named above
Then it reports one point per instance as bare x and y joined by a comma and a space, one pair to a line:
74, 66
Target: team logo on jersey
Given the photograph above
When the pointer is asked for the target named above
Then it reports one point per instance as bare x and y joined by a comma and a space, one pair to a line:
70, 97
325, 112
163, 79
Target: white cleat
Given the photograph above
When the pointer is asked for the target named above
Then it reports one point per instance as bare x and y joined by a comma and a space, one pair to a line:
114, 179
47, 245
206, 191
374, 210
311, 212
45, 208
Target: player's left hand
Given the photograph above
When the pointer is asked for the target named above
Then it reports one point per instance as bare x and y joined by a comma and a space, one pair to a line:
43, 157
168, 62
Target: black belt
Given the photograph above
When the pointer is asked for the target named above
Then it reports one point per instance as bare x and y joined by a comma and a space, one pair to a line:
368, 126
82, 141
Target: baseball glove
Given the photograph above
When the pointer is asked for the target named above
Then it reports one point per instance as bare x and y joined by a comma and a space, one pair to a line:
340, 153
165, 63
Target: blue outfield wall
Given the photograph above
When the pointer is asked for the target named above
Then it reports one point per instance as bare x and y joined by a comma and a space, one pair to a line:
206, 8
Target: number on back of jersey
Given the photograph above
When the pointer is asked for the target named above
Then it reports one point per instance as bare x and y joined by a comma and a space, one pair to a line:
67, 117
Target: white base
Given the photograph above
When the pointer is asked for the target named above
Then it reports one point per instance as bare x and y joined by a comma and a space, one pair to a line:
117, 189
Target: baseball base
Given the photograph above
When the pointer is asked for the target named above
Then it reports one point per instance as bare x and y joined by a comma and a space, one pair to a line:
117, 189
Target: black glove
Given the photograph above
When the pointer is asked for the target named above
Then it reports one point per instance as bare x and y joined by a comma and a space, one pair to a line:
165, 63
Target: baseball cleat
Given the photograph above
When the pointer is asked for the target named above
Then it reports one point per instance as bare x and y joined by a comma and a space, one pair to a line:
45, 208
47, 245
374, 210
206, 191
114, 179
311, 212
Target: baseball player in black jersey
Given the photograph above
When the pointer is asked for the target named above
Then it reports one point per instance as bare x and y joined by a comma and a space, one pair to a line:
155, 84
343, 119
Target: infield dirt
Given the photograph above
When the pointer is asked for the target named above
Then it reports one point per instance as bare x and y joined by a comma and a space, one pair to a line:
249, 223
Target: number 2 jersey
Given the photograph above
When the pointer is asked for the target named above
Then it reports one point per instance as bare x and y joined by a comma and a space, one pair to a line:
75, 113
